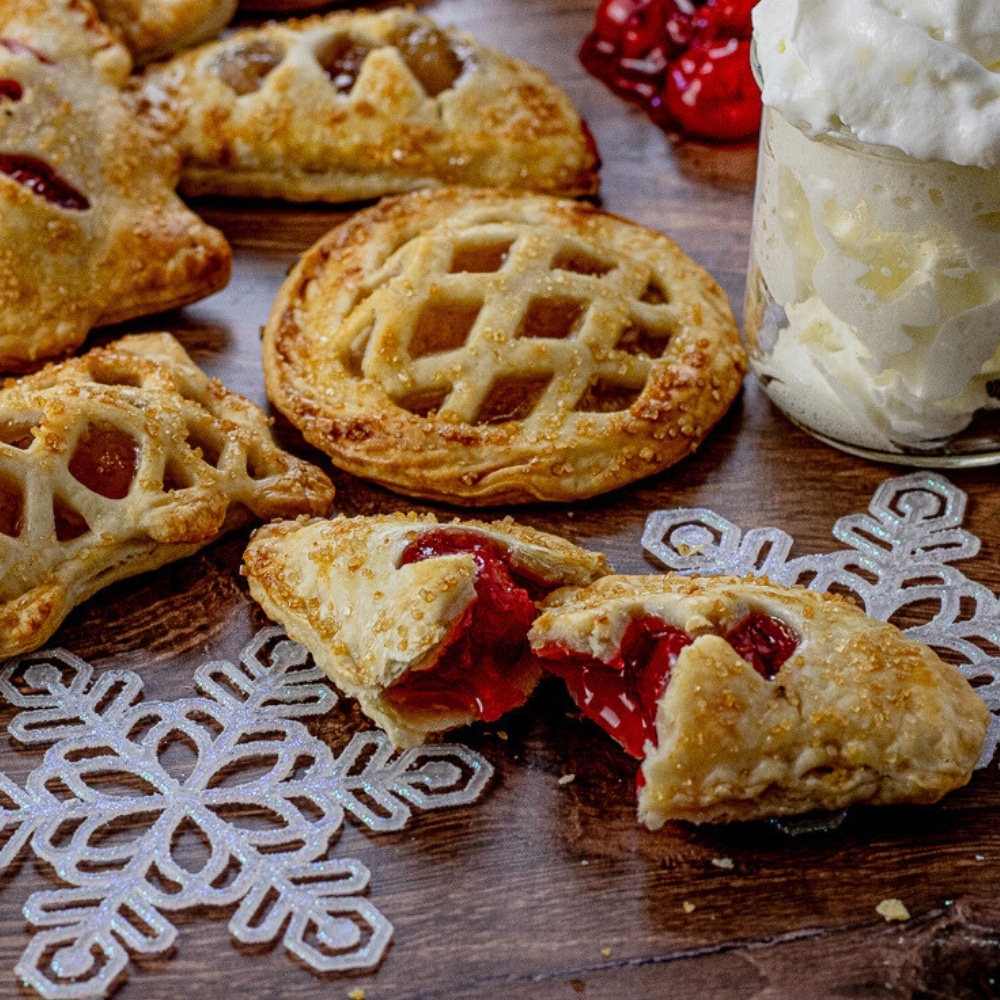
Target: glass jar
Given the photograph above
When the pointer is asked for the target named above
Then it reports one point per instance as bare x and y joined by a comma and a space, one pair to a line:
872, 314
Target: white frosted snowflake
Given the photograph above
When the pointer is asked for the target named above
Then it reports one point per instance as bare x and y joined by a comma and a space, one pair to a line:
898, 556
110, 812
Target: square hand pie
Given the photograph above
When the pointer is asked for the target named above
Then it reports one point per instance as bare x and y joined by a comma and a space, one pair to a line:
746, 699
152, 29
424, 623
482, 348
350, 106
91, 230
118, 462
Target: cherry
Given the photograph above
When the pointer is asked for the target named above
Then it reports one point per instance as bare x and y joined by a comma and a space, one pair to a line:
764, 642
39, 177
623, 695
11, 89
686, 61
711, 92
480, 668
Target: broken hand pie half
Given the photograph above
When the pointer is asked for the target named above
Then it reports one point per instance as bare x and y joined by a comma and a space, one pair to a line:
91, 229
118, 462
745, 699
355, 105
482, 347
424, 623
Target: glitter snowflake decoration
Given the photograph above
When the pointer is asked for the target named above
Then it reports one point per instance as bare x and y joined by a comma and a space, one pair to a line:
107, 811
898, 556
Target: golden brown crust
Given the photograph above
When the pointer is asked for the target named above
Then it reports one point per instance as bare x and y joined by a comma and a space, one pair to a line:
398, 361
337, 587
152, 29
123, 245
118, 462
859, 713
355, 105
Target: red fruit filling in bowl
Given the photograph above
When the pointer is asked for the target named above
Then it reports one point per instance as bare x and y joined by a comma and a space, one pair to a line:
483, 668
622, 696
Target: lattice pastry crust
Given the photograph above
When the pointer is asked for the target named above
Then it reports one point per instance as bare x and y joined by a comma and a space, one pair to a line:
479, 348
91, 230
118, 462
152, 29
857, 712
350, 106
379, 624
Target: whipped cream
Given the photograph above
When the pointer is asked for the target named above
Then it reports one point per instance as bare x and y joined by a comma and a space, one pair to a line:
873, 306
922, 76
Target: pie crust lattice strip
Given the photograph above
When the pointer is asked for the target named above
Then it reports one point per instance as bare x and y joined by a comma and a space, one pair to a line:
91, 229
355, 105
479, 347
122, 460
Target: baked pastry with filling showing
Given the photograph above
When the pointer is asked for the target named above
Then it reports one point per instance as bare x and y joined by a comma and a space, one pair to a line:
745, 699
355, 105
425, 623
91, 229
120, 461
481, 347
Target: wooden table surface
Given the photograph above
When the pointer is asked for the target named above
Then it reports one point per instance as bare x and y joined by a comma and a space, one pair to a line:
545, 889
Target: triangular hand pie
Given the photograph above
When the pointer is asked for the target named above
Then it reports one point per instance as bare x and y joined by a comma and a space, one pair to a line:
356, 105
745, 699
487, 347
424, 623
118, 462
91, 230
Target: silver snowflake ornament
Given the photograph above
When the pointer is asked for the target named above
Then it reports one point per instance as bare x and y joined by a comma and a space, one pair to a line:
144, 809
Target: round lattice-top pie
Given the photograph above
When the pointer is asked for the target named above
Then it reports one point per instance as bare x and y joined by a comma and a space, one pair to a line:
479, 347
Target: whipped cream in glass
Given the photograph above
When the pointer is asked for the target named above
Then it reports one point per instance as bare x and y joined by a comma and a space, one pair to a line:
873, 299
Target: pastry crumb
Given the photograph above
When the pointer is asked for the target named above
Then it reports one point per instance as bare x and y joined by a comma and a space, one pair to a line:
722, 862
606, 952
358, 994
501, 734
565, 779
688, 907
892, 909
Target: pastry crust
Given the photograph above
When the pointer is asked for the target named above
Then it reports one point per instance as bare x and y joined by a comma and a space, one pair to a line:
480, 348
338, 587
355, 105
122, 460
858, 713
91, 230
152, 29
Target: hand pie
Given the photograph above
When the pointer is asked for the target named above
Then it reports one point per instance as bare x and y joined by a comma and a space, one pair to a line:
484, 348
152, 29
746, 699
424, 623
349, 106
118, 462
91, 231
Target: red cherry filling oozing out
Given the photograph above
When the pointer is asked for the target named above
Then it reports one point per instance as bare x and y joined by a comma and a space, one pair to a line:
622, 696
39, 177
485, 657
686, 61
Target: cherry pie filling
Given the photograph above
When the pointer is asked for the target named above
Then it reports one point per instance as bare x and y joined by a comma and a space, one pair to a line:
622, 696
686, 61
37, 176
484, 666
